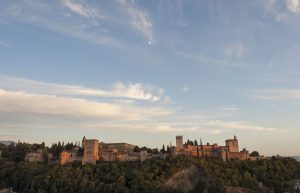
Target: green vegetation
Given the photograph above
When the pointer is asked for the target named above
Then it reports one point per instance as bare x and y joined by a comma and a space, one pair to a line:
278, 173
16, 153
106, 177
254, 154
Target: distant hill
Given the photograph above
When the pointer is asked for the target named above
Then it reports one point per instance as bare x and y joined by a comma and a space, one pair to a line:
7, 143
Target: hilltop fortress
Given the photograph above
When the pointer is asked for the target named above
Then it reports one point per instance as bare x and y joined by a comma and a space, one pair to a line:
92, 150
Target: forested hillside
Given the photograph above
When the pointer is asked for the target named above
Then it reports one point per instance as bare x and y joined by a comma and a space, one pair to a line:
278, 174
106, 177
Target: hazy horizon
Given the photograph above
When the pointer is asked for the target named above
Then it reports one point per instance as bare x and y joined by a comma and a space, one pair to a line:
143, 72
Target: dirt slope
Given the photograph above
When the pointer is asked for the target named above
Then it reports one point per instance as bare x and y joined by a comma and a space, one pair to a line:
184, 180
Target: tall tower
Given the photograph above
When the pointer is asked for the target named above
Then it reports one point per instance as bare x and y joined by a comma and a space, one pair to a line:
232, 144
179, 142
90, 152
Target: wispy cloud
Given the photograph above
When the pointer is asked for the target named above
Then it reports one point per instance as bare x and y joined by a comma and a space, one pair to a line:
168, 128
216, 131
235, 51
238, 125
49, 104
85, 24
232, 54
24, 96
276, 94
139, 19
295, 72
81, 9
230, 108
52, 105
3, 44
185, 89
267, 5
84, 20
293, 5
281, 17
147, 127
288, 14
179, 10
133, 91
173, 9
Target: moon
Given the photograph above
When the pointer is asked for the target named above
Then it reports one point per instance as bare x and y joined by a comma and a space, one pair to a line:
149, 43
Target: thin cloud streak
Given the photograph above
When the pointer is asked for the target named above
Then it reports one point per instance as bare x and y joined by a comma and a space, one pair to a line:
238, 125
81, 9
135, 91
276, 94
85, 26
173, 9
139, 19
185, 89
3, 44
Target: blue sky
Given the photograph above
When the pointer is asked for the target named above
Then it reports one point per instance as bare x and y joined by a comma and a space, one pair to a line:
144, 71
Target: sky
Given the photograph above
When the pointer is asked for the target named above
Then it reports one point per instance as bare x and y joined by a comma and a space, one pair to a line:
144, 71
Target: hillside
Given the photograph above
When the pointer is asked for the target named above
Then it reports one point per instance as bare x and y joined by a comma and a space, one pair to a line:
186, 179
180, 174
195, 179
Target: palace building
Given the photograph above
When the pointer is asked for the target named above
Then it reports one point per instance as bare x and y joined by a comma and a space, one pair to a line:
69, 156
227, 152
115, 151
93, 150
35, 156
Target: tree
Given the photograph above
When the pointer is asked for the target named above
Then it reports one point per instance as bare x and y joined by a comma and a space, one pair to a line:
155, 151
254, 154
144, 148
168, 149
190, 142
136, 149
195, 142
69, 146
163, 149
